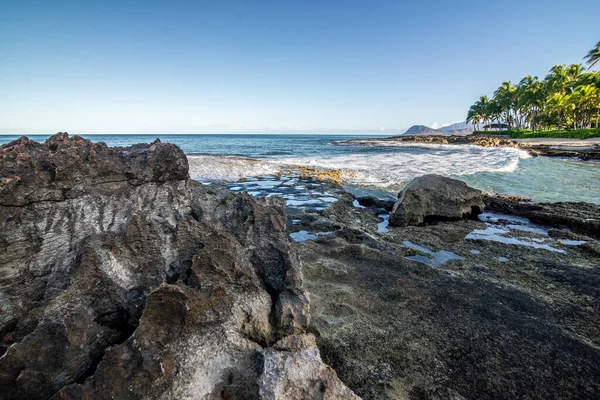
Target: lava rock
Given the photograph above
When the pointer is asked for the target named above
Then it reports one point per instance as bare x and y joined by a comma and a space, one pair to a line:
430, 198
372, 201
578, 216
122, 278
67, 167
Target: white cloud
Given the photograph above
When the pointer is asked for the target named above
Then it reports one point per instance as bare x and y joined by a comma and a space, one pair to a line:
435, 125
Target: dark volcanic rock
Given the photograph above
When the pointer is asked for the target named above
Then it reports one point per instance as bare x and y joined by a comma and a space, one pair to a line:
581, 217
65, 167
433, 197
372, 201
515, 314
477, 140
121, 278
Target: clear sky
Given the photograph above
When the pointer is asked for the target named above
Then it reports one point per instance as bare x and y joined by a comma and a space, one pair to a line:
234, 66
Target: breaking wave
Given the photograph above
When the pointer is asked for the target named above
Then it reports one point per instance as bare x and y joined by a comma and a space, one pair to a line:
378, 169
228, 168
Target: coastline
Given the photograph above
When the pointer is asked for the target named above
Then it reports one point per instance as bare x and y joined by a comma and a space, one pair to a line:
583, 149
294, 275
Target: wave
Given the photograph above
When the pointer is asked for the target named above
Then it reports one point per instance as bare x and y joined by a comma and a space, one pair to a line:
386, 170
228, 168
394, 169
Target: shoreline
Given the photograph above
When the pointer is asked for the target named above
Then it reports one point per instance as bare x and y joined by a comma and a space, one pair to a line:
584, 149
293, 274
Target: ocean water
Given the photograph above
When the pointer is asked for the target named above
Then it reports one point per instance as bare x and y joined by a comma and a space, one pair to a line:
382, 169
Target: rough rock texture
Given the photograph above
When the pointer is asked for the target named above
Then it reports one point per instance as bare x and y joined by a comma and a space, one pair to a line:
372, 201
399, 319
433, 197
65, 168
293, 370
581, 217
122, 279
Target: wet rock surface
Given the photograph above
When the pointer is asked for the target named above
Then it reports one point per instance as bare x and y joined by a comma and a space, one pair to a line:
500, 307
581, 217
431, 198
121, 278
135, 282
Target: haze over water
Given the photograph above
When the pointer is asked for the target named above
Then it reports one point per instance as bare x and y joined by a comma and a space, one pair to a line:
377, 169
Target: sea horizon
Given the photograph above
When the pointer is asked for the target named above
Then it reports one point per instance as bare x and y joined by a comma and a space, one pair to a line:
371, 167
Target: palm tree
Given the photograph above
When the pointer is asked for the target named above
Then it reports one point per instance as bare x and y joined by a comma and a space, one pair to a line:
584, 102
568, 98
484, 109
505, 96
563, 78
556, 79
558, 104
474, 115
573, 74
593, 56
531, 100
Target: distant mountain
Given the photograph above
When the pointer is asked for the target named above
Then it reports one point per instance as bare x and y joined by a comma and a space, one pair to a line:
460, 129
423, 130
459, 126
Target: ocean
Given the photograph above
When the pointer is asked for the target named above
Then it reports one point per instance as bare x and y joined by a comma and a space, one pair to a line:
375, 168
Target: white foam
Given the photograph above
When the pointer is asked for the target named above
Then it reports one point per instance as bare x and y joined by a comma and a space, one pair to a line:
394, 168
384, 170
227, 169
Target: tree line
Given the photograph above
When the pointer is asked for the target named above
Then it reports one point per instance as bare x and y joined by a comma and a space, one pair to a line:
567, 98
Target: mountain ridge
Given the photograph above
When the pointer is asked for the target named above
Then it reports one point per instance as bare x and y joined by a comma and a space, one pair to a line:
459, 128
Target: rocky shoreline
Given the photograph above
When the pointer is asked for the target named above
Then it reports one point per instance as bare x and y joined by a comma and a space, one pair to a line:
123, 278
498, 307
582, 149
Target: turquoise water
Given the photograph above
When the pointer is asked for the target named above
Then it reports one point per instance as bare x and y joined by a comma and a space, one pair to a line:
545, 179
375, 167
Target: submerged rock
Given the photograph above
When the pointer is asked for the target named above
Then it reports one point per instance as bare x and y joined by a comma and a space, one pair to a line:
121, 278
433, 197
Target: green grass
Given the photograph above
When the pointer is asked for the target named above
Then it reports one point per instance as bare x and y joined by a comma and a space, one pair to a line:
519, 134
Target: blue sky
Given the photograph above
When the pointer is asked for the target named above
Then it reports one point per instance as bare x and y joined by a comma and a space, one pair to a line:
236, 66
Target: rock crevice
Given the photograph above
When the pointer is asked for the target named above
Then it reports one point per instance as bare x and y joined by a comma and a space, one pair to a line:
122, 278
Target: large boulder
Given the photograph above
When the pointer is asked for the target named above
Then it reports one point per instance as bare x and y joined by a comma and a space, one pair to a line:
432, 197
120, 278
